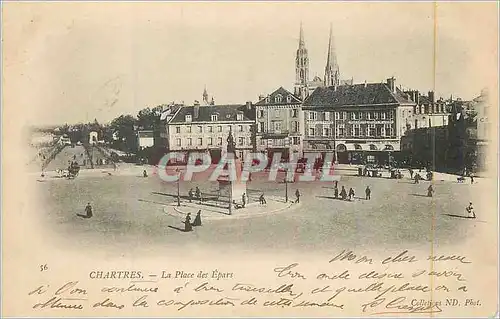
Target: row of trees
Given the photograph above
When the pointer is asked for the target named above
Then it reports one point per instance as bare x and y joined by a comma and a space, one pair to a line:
120, 133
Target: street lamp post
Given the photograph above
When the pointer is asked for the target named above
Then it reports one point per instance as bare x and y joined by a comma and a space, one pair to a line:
230, 197
286, 185
178, 188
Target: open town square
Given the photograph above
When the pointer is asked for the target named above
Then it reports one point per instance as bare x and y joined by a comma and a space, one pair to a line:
133, 208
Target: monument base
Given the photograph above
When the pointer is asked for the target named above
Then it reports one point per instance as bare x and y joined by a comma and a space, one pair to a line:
233, 190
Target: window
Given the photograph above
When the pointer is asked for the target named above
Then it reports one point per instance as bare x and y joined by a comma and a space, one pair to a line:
370, 115
289, 99
239, 117
267, 99
262, 142
312, 115
188, 129
209, 129
240, 128
219, 141
375, 115
326, 131
312, 131
261, 113
379, 130
327, 116
200, 141
391, 115
219, 128
277, 127
371, 129
261, 126
344, 115
213, 117
277, 113
341, 130
278, 98
337, 115
356, 130
210, 141
200, 129
178, 142
189, 141
353, 115
189, 118
177, 129
360, 115
383, 114
295, 113
241, 141
295, 127
229, 128
296, 140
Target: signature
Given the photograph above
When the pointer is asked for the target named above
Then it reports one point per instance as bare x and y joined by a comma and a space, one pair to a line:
400, 305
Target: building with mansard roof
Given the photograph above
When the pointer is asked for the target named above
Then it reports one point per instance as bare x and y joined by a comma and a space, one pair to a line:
357, 123
280, 124
205, 128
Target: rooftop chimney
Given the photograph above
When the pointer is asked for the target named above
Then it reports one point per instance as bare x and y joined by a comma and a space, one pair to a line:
431, 96
249, 105
196, 109
366, 84
391, 83
261, 97
417, 97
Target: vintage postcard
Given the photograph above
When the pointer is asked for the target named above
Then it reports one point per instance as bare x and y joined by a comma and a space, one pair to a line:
249, 159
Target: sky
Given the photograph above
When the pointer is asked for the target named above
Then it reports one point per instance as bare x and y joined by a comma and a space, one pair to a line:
74, 62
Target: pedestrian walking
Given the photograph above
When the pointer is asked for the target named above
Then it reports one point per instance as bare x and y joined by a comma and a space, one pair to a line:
470, 211
190, 195
368, 192
411, 173
297, 196
144, 173
262, 200
88, 211
244, 199
197, 192
471, 179
343, 193
187, 223
351, 193
336, 192
430, 190
416, 178
197, 219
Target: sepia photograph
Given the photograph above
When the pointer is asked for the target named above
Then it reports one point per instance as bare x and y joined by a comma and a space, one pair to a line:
250, 159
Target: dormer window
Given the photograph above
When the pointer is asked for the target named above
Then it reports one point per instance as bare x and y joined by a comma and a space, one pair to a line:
278, 98
289, 99
189, 118
239, 117
213, 117
267, 99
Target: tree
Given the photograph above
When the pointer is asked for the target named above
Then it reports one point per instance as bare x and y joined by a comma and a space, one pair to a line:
124, 126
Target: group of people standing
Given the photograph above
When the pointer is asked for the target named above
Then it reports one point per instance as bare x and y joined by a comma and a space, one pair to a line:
188, 226
344, 195
196, 194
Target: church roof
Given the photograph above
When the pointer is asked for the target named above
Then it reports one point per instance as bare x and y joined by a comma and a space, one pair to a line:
225, 113
284, 93
358, 94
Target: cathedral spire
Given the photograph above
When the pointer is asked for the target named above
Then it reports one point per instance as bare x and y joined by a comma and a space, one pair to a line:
205, 96
302, 43
301, 67
332, 73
